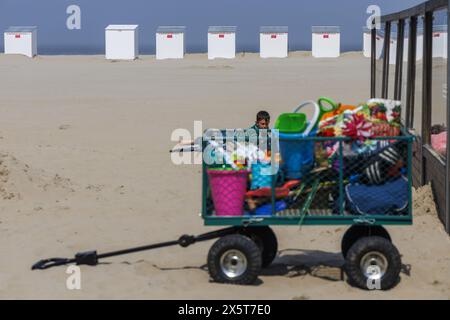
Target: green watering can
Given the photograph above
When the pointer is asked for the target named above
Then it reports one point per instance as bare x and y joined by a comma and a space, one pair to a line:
295, 122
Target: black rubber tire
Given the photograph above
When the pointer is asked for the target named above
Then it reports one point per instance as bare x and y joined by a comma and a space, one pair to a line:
266, 240
357, 232
243, 244
367, 244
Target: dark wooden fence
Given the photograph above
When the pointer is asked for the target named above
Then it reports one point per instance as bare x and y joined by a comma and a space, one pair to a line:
428, 166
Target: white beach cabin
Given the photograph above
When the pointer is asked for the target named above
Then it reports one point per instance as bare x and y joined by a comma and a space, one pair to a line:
273, 42
393, 45
393, 49
170, 42
419, 45
222, 42
367, 43
122, 42
21, 40
326, 41
440, 41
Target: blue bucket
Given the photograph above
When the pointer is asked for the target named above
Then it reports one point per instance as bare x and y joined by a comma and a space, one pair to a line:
297, 155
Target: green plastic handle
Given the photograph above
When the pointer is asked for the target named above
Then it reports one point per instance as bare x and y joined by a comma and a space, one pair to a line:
316, 118
323, 109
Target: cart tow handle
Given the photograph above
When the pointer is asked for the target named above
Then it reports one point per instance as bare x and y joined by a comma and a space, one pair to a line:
91, 258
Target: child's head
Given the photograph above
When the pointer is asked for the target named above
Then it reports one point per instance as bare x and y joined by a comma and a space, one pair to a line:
438, 128
263, 120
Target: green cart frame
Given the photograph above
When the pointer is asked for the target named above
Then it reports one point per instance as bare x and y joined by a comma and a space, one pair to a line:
305, 219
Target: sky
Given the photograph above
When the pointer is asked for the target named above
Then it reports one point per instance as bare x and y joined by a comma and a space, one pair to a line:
248, 15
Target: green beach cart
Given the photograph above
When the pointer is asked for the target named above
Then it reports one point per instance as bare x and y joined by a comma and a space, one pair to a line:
322, 195
319, 199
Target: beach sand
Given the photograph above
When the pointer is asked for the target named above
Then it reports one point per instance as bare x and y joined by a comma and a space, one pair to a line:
84, 164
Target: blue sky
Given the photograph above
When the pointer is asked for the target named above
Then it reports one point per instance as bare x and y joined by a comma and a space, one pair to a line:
53, 36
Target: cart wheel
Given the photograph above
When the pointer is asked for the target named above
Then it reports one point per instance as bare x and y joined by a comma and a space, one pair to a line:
356, 232
373, 263
266, 240
234, 259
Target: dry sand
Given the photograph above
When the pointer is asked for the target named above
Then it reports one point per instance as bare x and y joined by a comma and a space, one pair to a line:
84, 164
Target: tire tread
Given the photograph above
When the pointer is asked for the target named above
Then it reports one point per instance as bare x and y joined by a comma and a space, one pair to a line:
243, 244
367, 244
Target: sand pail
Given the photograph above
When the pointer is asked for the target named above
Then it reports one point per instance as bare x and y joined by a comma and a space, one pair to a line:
297, 153
228, 188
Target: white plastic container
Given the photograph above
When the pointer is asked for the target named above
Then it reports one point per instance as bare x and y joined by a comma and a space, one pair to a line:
170, 42
122, 42
273, 42
222, 42
21, 40
326, 41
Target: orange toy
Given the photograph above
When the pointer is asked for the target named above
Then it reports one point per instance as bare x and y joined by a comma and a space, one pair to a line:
340, 110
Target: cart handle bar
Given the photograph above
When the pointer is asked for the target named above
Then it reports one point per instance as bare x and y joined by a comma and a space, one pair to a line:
91, 257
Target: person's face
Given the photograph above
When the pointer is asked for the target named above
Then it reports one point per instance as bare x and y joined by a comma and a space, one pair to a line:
263, 124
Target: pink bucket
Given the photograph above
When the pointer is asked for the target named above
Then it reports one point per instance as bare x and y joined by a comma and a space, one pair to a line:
228, 188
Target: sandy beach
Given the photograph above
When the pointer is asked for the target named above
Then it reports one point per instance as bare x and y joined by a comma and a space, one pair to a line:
84, 164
